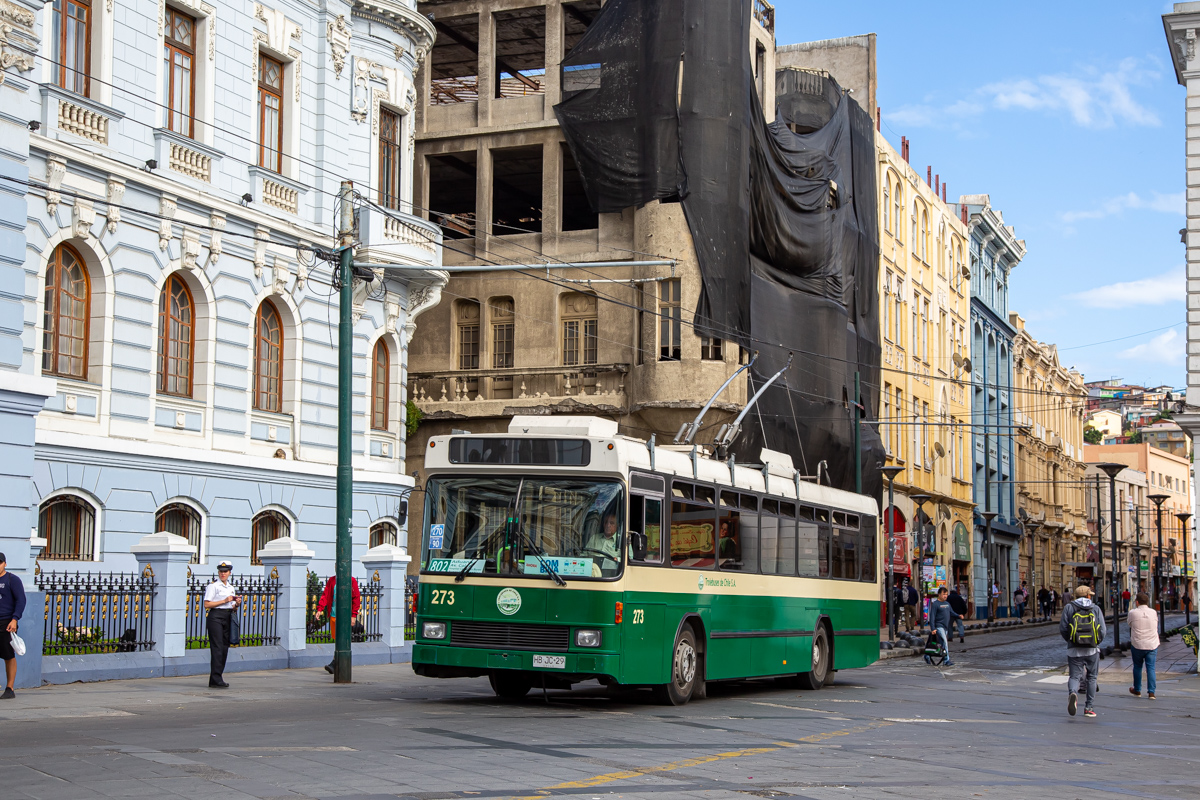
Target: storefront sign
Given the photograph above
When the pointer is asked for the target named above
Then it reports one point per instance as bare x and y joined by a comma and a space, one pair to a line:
962, 542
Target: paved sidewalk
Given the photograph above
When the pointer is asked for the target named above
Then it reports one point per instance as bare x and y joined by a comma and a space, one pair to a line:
1174, 658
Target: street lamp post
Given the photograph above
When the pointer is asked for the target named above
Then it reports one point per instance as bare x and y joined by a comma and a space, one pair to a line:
1156, 589
1183, 518
1111, 470
921, 500
990, 573
890, 473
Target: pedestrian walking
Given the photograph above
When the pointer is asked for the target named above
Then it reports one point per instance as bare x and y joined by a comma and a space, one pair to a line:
1125, 596
221, 599
995, 599
956, 601
12, 606
328, 602
1043, 601
940, 615
911, 601
1082, 626
1143, 644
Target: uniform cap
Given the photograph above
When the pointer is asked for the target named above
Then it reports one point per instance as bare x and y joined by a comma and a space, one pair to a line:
224, 566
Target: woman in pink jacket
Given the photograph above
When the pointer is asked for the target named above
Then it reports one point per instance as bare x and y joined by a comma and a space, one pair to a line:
1143, 641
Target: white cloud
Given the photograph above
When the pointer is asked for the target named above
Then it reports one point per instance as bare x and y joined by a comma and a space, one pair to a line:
1166, 203
1151, 291
1166, 348
1092, 98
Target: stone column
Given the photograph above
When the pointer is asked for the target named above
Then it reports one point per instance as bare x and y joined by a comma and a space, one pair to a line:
390, 563
167, 556
288, 559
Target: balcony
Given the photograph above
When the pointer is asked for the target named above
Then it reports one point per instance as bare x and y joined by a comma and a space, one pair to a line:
67, 112
393, 237
764, 15
594, 388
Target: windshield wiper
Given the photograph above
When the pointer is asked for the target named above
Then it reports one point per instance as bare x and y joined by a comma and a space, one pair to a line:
462, 573
537, 551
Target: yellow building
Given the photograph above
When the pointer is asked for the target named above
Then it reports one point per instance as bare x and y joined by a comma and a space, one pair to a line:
925, 306
1049, 407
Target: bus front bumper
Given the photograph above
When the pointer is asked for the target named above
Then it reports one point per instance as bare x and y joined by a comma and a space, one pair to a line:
437, 661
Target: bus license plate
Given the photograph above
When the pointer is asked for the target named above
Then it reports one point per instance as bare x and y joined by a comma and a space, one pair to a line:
550, 662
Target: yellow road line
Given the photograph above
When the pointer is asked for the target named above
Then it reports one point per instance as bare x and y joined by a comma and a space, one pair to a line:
612, 777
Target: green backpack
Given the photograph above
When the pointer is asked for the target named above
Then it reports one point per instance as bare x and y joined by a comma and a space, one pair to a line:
1085, 628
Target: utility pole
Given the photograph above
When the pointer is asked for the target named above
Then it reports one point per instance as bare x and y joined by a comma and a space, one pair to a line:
1098, 580
1112, 469
890, 473
1156, 574
345, 473
992, 573
1183, 518
858, 412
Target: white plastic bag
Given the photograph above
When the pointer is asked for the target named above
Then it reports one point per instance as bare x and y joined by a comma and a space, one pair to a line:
18, 644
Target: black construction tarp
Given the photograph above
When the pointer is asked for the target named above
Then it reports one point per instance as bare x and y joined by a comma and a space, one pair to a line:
783, 219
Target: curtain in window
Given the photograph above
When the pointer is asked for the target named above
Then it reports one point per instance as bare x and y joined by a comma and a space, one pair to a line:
176, 314
65, 328
268, 359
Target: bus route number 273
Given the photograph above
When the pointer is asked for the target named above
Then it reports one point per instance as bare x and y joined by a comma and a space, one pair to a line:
639, 616
441, 597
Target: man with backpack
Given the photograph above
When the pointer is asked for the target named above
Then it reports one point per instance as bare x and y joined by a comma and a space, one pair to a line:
1082, 626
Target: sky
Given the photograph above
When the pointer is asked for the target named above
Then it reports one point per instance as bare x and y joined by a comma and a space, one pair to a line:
1069, 116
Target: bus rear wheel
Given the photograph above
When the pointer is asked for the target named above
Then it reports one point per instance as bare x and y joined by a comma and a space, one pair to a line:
685, 669
820, 673
510, 685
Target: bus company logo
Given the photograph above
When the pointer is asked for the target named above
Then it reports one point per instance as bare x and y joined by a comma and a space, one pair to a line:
700, 583
508, 601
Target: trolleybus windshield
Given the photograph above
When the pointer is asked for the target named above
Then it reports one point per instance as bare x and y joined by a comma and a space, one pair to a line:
522, 526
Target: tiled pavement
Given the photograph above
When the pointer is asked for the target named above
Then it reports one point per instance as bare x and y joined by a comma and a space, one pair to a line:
897, 729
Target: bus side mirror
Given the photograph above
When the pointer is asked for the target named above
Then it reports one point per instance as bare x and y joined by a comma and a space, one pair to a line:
638, 541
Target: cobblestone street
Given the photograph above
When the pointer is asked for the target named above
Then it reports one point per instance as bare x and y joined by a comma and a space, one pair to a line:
996, 725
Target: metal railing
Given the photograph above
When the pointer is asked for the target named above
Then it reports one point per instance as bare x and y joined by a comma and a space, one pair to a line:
365, 627
98, 613
257, 612
411, 590
764, 14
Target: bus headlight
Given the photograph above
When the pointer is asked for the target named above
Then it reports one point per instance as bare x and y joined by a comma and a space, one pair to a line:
587, 638
433, 630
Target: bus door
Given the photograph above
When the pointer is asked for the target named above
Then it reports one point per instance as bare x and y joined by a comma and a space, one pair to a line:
644, 609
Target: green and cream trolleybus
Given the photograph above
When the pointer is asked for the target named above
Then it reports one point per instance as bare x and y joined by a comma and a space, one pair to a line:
560, 552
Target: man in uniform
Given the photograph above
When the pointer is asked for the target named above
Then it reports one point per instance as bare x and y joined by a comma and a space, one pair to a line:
12, 606
606, 541
220, 599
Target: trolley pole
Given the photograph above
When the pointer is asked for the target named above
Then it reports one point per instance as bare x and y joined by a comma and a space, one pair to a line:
345, 474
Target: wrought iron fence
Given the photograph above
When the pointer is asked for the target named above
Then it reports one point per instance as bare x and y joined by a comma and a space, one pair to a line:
410, 607
98, 613
365, 627
256, 613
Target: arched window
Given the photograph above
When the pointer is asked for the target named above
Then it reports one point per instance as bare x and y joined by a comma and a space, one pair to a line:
383, 533
924, 235
898, 205
68, 524
68, 301
887, 204
268, 359
181, 520
265, 527
915, 235
176, 337
380, 367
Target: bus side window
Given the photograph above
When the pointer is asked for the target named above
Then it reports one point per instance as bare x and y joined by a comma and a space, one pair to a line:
808, 544
786, 559
866, 552
645, 523
739, 538
769, 537
845, 560
824, 535
693, 535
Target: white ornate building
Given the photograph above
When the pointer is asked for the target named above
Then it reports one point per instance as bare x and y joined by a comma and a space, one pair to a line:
173, 167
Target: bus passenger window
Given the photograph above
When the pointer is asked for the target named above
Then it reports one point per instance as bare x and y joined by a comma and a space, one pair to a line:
693, 535
845, 559
785, 558
739, 536
824, 534
645, 525
768, 541
808, 547
866, 551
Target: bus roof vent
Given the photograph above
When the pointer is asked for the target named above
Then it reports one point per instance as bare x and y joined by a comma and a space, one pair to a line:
564, 426
777, 462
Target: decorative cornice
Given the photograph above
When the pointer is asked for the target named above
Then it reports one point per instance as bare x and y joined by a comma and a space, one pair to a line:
401, 19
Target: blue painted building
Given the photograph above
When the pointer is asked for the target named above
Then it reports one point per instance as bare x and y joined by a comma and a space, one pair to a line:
995, 252
162, 278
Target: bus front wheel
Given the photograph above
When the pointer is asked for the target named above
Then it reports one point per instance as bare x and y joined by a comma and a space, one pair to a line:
685, 669
820, 673
510, 685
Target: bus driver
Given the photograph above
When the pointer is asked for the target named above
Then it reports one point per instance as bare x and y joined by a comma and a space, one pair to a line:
606, 541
